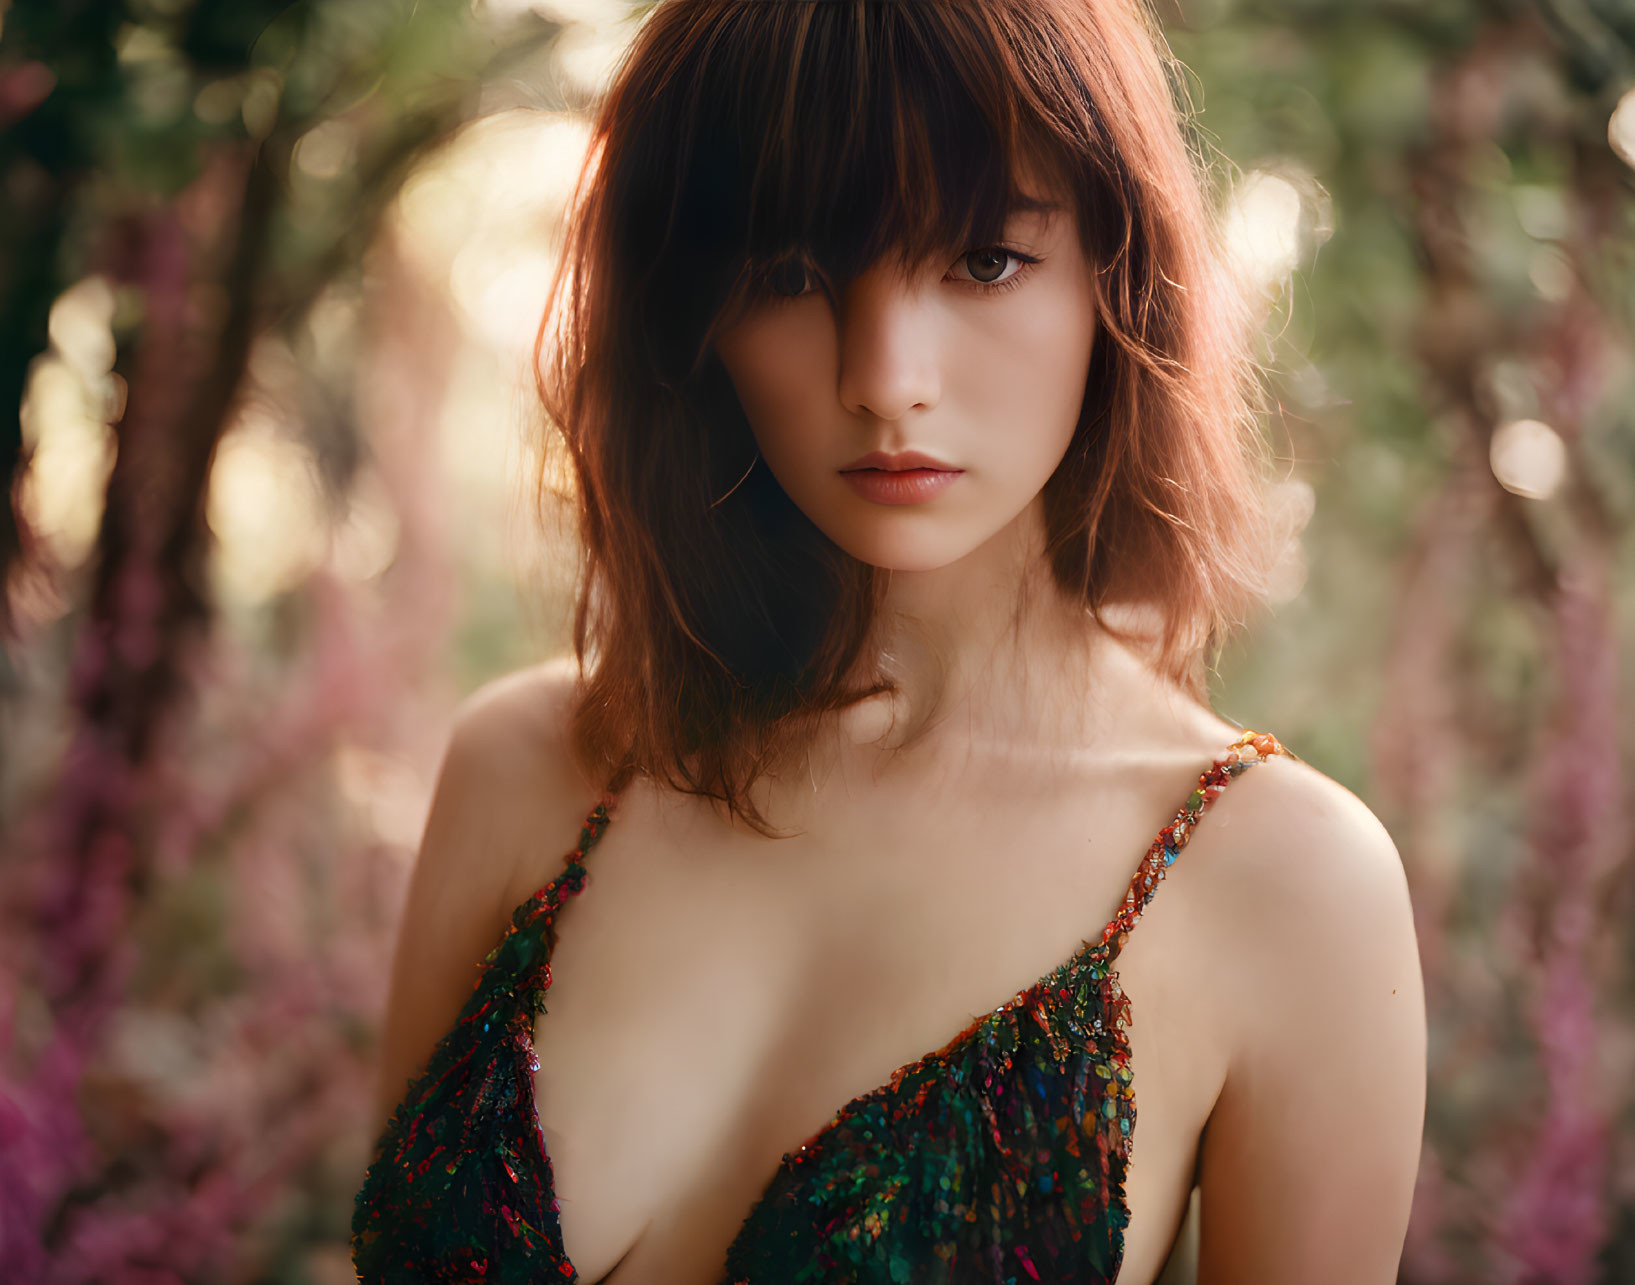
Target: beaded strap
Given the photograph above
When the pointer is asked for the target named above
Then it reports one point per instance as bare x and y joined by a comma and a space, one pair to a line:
1250, 748
590, 830
541, 908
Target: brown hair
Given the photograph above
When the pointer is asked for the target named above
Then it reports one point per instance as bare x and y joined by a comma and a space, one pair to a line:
714, 632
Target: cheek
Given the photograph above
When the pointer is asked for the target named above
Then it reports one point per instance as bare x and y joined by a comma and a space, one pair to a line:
777, 367
1027, 375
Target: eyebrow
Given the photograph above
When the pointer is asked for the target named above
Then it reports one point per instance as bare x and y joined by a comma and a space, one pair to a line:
1024, 204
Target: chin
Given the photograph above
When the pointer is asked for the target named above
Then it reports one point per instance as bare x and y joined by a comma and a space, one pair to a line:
926, 549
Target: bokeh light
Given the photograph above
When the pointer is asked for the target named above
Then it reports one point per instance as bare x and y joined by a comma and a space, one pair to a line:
1621, 128
1528, 458
266, 509
1262, 227
71, 397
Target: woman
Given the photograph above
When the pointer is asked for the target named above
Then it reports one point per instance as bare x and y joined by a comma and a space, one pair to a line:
912, 417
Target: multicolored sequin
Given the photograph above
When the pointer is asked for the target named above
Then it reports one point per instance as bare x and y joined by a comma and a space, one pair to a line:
998, 1158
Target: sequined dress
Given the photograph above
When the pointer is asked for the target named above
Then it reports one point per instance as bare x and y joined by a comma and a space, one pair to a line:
999, 1157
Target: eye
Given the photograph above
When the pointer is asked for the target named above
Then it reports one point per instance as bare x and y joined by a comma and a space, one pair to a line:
992, 265
788, 278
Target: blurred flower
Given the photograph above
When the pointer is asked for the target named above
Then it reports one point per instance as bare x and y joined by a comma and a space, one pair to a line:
81, 327
71, 455
23, 88
326, 149
71, 396
1528, 458
263, 89
219, 101
161, 1050
1621, 128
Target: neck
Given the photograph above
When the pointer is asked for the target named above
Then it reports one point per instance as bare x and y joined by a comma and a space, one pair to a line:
987, 650
997, 672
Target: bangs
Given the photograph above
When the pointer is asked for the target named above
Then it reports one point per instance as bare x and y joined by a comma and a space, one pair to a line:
845, 132
859, 130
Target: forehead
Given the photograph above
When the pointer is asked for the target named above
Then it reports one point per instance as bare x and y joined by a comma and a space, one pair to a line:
1043, 205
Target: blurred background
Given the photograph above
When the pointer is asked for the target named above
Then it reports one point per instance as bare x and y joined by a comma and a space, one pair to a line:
269, 278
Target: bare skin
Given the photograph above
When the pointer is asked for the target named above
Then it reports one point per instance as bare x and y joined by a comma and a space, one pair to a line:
874, 938
717, 996
673, 1076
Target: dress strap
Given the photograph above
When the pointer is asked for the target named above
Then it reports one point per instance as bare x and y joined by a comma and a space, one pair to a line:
534, 921
571, 878
1248, 749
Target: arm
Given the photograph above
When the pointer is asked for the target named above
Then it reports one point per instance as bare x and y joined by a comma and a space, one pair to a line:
506, 791
1309, 1158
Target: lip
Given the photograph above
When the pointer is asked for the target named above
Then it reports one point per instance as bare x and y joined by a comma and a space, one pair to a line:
909, 477
900, 486
901, 462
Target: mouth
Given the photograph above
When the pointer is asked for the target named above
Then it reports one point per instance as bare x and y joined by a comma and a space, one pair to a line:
900, 485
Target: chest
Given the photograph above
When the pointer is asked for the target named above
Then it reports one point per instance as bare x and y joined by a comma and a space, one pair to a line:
716, 999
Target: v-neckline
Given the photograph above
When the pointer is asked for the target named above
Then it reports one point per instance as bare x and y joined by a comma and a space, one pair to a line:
1158, 856
1045, 985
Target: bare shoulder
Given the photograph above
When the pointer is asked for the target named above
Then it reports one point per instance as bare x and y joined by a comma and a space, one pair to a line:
1309, 869
506, 768
1294, 828
1310, 1155
508, 797
518, 721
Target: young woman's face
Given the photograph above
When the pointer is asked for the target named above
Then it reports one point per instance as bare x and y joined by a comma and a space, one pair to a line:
977, 367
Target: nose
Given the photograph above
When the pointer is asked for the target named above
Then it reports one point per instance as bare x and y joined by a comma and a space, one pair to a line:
888, 347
